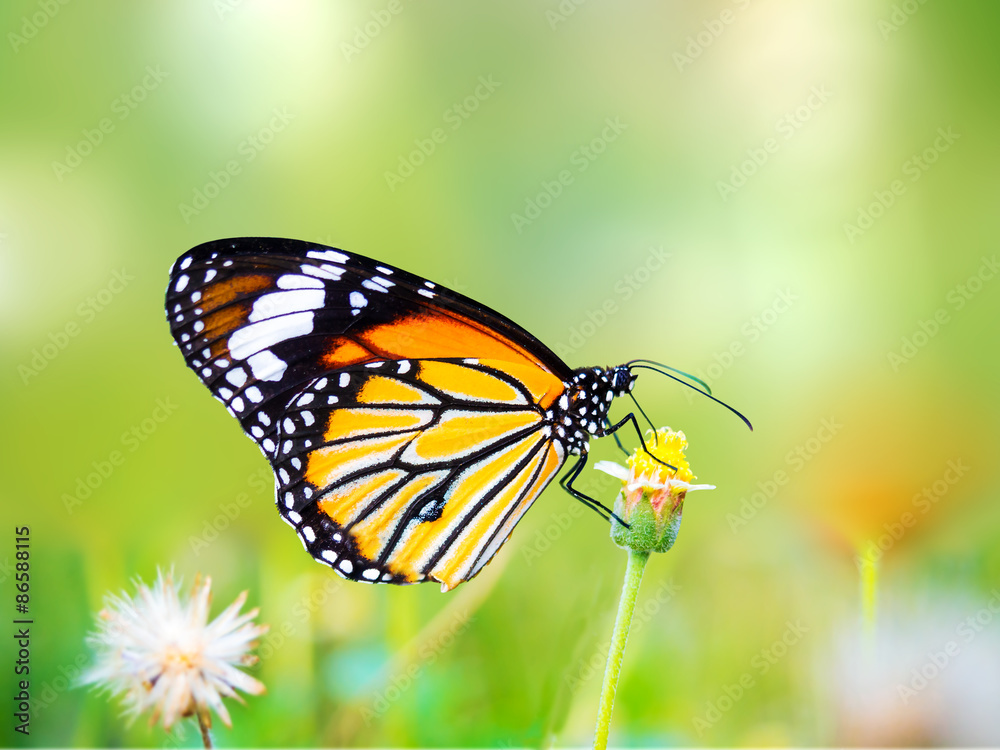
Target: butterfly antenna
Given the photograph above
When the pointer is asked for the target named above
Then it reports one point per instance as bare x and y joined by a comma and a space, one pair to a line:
641, 365
687, 375
655, 435
642, 411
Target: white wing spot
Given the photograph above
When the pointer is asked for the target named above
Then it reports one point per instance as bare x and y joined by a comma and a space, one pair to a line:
288, 426
325, 271
210, 274
266, 366
237, 376
371, 574
253, 393
237, 404
357, 299
309, 534
182, 283
293, 516
259, 336
268, 445
328, 255
186, 262
374, 286
277, 304
329, 555
345, 379
404, 367
296, 281
346, 566
308, 418
305, 399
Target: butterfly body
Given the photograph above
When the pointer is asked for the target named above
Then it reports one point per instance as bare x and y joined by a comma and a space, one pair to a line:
409, 427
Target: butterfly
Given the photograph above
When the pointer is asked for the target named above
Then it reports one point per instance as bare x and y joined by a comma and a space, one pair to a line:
409, 427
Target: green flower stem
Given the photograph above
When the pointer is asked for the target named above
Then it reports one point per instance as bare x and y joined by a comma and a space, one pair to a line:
626, 606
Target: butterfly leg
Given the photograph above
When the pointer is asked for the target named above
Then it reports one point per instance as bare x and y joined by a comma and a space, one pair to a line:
618, 441
567, 484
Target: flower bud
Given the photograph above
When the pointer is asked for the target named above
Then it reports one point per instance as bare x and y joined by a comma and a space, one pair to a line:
651, 500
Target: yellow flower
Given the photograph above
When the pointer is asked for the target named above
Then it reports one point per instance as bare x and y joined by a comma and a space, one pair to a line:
652, 497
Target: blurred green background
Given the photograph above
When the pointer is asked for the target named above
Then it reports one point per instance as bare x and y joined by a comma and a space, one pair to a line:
797, 201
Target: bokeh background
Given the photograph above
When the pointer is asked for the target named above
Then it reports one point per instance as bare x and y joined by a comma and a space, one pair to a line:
797, 201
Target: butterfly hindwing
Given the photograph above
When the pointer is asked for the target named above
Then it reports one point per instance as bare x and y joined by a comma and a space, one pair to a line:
400, 471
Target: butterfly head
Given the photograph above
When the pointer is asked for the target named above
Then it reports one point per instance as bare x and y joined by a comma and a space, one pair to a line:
622, 379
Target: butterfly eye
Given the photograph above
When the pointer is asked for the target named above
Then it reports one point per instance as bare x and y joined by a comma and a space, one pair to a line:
623, 380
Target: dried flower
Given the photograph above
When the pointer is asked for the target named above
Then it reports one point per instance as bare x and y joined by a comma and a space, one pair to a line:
163, 655
652, 497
